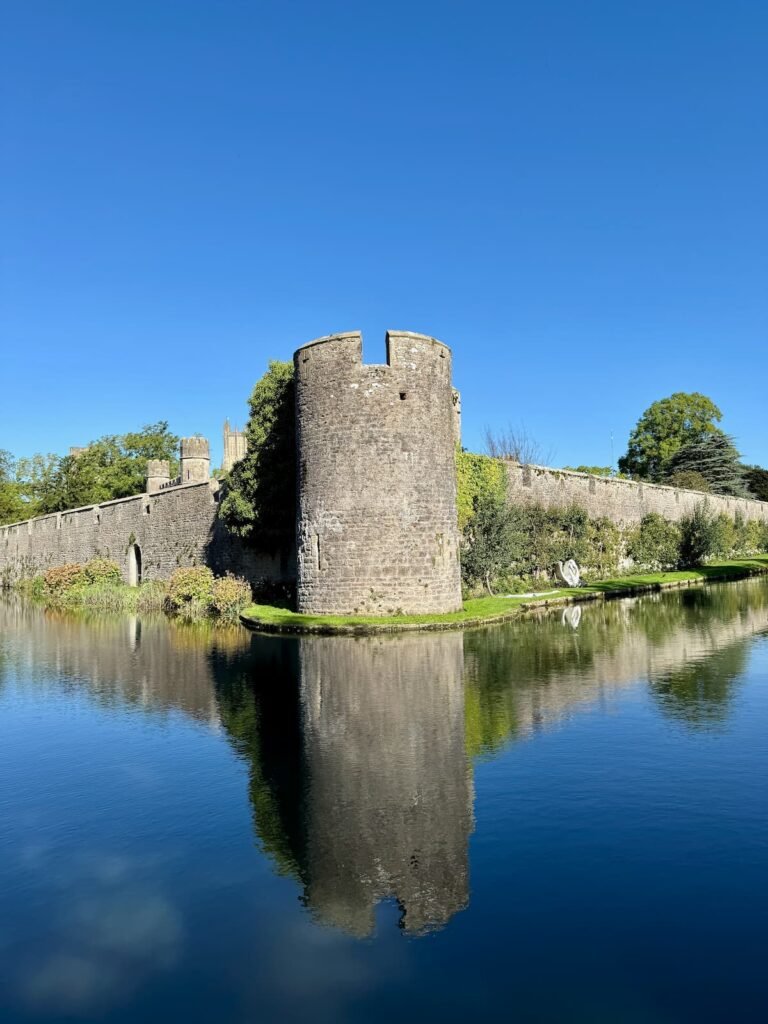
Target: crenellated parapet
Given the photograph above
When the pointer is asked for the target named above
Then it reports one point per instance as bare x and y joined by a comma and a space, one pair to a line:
376, 520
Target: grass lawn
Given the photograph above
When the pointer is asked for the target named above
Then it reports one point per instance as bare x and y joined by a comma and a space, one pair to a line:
270, 618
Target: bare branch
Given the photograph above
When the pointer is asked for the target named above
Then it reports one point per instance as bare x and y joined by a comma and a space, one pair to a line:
517, 445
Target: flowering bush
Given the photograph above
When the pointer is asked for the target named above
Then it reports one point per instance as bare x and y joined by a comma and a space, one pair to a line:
229, 595
61, 578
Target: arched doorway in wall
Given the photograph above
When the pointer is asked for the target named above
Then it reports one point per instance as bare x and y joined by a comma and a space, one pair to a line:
134, 565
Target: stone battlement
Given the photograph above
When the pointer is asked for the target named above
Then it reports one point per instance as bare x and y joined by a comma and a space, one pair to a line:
405, 350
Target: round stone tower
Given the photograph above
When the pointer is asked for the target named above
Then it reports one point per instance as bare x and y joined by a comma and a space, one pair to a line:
158, 475
195, 460
377, 529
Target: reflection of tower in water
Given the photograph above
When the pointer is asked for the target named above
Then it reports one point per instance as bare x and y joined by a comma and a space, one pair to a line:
389, 797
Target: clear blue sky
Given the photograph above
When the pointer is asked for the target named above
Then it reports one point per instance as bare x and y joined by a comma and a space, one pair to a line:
573, 195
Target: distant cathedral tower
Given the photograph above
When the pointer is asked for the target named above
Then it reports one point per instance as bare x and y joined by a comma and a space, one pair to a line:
235, 446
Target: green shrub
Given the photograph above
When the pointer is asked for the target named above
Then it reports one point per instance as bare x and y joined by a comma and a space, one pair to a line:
655, 543
602, 547
58, 580
102, 570
755, 537
190, 590
229, 595
489, 540
699, 536
726, 537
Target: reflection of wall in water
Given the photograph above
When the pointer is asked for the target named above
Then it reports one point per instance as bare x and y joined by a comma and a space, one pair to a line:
389, 794
535, 672
145, 661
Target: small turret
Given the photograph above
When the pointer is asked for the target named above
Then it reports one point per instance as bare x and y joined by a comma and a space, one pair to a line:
158, 475
195, 460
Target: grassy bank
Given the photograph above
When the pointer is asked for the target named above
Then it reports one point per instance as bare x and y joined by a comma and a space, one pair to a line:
481, 610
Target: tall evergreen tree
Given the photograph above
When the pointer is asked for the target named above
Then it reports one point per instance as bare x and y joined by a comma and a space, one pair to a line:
716, 458
757, 481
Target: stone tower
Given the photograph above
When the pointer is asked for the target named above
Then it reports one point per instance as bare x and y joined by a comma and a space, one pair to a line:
158, 475
235, 446
377, 528
195, 460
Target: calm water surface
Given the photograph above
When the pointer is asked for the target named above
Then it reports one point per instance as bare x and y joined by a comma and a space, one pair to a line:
562, 819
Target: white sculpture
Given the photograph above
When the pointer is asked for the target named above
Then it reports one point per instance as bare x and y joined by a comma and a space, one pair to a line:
568, 573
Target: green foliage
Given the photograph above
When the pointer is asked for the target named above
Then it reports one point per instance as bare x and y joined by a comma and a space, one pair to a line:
58, 580
102, 570
229, 595
191, 586
546, 536
664, 428
12, 505
751, 536
114, 466
489, 540
259, 503
756, 479
715, 457
602, 547
655, 543
193, 592
689, 480
478, 478
700, 535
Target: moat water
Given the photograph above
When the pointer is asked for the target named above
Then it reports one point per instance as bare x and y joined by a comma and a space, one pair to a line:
562, 819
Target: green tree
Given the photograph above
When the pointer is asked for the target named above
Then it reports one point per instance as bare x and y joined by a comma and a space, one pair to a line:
37, 480
716, 458
689, 480
12, 505
756, 479
699, 536
489, 540
259, 503
114, 466
663, 429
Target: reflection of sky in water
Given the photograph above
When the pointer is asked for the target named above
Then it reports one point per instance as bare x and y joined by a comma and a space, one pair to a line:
198, 829
108, 941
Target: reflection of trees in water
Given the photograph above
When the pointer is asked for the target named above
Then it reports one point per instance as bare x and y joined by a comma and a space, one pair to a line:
357, 747
359, 779
259, 707
688, 644
699, 693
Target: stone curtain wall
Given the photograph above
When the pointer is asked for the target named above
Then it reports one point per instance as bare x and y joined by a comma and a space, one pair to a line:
377, 528
624, 502
173, 528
